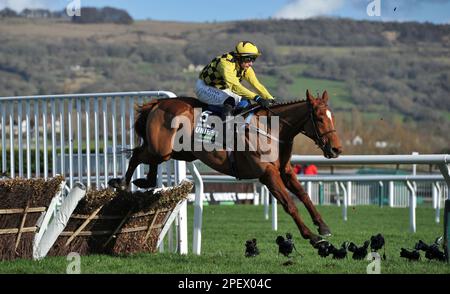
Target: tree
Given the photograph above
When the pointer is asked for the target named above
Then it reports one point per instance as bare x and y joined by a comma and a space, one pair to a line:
8, 13
103, 15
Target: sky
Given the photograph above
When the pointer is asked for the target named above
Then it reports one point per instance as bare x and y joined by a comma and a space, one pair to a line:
436, 11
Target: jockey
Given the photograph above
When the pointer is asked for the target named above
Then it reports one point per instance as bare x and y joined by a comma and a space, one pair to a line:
219, 82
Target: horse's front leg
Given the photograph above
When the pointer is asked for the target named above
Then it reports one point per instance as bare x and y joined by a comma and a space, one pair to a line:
290, 180
271, 178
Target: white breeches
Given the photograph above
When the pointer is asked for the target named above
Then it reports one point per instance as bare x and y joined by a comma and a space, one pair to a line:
212, 95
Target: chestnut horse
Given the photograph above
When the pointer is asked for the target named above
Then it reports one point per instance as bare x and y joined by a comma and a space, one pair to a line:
311, 117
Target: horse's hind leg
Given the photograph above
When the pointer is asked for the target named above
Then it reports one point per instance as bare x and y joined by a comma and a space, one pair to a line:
137, 158
274, 183
143, 156
150, 181
293, 185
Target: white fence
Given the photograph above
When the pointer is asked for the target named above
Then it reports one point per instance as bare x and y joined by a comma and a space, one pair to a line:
376, 192
441, 160
80, 136
345, 182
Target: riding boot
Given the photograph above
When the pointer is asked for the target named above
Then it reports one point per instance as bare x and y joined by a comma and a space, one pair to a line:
228, 107
227, 111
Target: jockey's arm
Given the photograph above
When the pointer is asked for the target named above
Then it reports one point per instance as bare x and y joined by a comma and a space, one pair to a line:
251, 78
229, 74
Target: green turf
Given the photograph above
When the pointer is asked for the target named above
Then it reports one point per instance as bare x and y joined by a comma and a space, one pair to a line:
226, 228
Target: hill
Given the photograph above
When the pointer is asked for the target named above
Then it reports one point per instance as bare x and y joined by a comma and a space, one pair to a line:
389, 82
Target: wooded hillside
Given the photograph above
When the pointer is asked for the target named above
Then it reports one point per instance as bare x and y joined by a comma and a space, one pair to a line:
388, 82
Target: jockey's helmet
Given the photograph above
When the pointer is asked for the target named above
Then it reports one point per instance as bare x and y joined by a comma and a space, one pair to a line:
246, 48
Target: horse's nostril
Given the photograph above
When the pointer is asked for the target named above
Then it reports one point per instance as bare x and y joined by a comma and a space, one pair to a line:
336, 150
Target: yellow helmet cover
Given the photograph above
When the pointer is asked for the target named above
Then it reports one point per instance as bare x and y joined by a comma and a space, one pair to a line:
246, 48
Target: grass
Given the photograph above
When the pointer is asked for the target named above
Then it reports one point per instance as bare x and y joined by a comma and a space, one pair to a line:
446, 114
331, 50
337, 91
270, 82
339, 96
226, 228
294, 69
145, 68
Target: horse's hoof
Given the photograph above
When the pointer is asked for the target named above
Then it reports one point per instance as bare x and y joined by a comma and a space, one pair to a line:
142, 183
324, 231
115, 183
315, 241
118, 184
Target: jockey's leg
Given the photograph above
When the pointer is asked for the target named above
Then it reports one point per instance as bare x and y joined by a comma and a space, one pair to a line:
213, 96
209, 95
228, 107
274, 183
230, 102
290, 180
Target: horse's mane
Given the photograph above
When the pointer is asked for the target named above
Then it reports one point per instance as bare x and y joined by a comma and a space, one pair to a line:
289, 102
297, 101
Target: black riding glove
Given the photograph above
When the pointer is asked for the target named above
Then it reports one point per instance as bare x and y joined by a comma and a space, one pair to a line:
263, 102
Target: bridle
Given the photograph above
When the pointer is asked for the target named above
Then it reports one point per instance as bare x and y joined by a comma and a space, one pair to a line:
311, 116
319, 137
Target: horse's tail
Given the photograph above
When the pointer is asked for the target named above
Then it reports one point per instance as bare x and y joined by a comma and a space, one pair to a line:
140, 125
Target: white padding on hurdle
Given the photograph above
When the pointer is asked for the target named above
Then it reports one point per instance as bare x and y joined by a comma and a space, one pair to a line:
59, 222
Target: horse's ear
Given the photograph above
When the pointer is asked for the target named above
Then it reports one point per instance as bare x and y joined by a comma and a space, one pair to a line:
325, 96
309, 97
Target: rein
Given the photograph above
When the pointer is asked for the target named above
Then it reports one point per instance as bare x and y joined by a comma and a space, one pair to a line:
282, 119
318, 136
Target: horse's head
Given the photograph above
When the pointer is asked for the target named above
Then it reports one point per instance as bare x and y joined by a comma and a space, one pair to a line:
321, 127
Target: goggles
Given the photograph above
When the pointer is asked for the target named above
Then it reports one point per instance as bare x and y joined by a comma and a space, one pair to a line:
248, 58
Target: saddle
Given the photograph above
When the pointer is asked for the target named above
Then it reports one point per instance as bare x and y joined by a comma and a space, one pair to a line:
205, 129
206, 133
